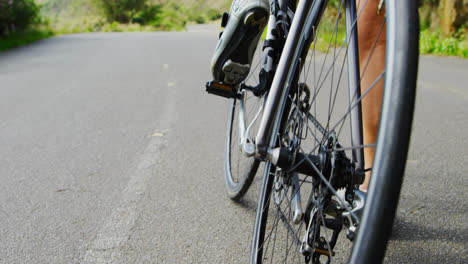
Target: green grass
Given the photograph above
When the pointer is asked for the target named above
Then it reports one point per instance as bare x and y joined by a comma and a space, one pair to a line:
326, 36
326, 39
175, 15
22, 38
75, 16
94, 24
433, 43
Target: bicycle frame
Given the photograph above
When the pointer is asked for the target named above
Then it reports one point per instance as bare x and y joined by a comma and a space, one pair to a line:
301, 33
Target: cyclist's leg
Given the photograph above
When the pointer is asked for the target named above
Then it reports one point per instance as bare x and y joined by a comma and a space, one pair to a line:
369, 27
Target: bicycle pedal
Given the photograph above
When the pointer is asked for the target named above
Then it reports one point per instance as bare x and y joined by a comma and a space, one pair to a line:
221, 89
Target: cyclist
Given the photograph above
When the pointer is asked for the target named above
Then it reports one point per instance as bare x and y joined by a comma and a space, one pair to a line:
242, 30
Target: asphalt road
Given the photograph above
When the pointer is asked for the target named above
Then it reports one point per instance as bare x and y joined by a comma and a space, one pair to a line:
111, 152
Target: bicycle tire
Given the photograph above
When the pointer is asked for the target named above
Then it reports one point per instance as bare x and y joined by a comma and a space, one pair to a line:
240, 170
237, 182
387, 171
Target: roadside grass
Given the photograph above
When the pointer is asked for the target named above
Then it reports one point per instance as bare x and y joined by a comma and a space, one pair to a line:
327, 36
94, 24
22, 38
171, 16
430, 43
434, 44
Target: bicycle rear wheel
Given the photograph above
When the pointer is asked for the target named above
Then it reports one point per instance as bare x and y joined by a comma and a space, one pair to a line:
318, 217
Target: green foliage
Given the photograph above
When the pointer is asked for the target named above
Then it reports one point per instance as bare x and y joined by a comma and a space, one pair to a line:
17, 15
431, 40
73, 16
121, 11
429, 2
77, 25
172, 17
329, 38
434, 43
330, 31
24, 37
428, 14
334, 3
213, 14
147, 15
200, 14
68, 9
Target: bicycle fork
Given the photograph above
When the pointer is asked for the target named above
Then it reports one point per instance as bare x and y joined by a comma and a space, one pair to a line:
301, 33
277, 95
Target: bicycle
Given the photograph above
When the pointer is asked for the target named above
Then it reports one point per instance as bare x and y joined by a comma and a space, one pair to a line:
313, 168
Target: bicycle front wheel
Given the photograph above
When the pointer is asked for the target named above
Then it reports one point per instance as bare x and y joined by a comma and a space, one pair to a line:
239, 170
243, 115
317, 214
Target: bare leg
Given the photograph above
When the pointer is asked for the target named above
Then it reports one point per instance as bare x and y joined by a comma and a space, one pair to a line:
369, 26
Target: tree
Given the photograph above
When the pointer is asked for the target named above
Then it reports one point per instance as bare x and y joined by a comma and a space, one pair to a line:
454, 15
16, 15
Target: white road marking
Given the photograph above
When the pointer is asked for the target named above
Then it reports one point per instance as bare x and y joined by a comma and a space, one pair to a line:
105, 248
116, 229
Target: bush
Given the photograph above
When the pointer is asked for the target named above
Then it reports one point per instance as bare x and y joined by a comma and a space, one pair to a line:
22, 38
213, 14
121, 11
147, 15
172, 16
17, 15
434, 43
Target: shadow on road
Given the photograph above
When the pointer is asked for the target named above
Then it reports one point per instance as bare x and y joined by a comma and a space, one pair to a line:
404, 230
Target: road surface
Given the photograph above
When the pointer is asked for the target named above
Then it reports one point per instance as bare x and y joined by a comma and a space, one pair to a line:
111, 152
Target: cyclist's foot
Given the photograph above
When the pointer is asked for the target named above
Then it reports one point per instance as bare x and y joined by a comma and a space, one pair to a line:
243, 27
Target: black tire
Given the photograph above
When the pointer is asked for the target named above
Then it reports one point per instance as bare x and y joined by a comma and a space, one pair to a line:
276, 239
239, 170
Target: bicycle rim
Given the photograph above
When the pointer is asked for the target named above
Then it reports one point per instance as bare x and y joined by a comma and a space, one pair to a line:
240, 170
321, 124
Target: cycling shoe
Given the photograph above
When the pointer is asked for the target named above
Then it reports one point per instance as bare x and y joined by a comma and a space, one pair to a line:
243, 27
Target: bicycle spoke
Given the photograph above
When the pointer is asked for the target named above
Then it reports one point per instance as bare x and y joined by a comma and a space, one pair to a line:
353, 147
275, 233
373, 49
359, 100
275, 224
344, 42
328, 185
303, 217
